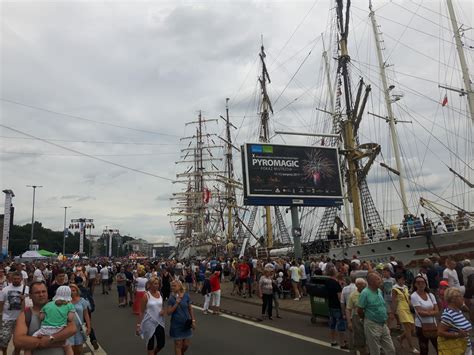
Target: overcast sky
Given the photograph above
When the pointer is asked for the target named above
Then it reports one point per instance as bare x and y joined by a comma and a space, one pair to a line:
91, 76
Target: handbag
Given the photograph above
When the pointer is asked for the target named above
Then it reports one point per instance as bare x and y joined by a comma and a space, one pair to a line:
429, 330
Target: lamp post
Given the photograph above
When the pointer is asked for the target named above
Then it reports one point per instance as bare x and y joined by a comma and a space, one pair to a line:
33, 212
65, 231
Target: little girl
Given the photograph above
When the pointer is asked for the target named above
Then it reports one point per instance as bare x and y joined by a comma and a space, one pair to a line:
54, 316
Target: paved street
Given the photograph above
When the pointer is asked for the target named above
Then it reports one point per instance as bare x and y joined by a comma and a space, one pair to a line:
115, 329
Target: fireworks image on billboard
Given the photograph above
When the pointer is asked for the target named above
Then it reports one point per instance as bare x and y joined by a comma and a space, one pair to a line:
318, 167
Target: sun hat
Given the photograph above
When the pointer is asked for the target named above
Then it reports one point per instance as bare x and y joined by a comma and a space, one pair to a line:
63, 293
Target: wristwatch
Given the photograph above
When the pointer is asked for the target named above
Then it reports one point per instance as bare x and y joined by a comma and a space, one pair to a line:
51, 339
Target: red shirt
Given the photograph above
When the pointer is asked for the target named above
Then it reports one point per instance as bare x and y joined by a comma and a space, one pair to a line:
244, 270
215, 283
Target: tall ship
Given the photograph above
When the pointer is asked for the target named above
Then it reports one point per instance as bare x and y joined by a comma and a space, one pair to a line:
205, 215
416, 222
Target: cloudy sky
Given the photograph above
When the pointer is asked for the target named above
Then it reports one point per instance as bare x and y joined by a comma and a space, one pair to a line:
118, 80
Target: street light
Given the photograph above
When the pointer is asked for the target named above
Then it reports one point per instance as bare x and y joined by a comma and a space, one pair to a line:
33, 213
64, 230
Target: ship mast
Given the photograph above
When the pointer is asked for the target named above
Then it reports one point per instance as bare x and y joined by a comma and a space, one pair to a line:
359, 194
229, 182
462, 59
264, 132
348, 124
388, 103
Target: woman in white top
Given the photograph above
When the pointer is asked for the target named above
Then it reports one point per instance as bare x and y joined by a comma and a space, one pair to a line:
295, 280
140, 288
150, 323
426, 311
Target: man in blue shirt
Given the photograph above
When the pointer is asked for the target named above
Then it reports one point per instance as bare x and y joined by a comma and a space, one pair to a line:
372, 310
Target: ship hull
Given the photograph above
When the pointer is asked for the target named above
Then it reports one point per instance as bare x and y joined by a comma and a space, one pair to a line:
412, 251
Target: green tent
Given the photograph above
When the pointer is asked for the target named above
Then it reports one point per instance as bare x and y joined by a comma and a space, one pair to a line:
46, 253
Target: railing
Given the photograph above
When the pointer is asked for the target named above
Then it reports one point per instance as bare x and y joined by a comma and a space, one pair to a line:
407, 229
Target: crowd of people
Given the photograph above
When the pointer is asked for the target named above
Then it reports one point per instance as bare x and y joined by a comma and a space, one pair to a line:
47, 308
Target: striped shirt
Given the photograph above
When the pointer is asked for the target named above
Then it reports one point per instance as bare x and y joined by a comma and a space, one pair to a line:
457, 320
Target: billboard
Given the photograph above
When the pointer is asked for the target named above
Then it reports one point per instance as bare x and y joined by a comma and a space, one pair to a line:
288, 175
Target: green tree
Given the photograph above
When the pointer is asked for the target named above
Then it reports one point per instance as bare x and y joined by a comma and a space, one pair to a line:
47, 239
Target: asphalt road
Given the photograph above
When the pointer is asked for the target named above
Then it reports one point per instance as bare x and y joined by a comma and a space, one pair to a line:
224, 334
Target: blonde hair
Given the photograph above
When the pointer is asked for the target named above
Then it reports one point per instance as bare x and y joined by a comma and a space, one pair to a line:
180, 285
451, 293
76, 287
153, 279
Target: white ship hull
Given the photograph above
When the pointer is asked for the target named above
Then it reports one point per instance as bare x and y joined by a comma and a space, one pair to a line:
412, 251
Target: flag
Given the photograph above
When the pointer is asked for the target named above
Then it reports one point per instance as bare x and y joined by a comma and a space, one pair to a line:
206, 195
445, 101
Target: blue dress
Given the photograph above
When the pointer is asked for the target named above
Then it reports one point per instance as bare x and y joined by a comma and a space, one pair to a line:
179, 318
78, 339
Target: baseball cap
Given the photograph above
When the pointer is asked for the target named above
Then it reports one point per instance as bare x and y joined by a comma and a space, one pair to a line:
444, 283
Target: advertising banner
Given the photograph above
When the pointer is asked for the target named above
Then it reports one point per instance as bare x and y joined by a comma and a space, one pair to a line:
291, 175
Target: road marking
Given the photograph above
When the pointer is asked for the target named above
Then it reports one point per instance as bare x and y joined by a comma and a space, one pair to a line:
278, 330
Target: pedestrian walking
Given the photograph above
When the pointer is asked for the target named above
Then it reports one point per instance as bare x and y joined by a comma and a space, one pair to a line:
12, 300
265, 292
166, 284
88, 296
336, 318
140, 288
121, 280
294, 274
206, 292
426, 311
371, 308
104, 277
151, 322
29, 321
214, 280
82, 319
92, 273
454, 329
354, 322
182, 317
401, 308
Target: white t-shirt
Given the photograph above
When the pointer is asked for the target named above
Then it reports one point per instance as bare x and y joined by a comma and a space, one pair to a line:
295, 274
24, 275
427, 305
141, 283
104, 273
93, 273
452, 277
11, 295
38, 275
346, 292
303, 272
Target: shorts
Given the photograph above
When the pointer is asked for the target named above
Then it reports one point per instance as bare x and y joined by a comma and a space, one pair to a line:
358, 335
6, 332
122, 291
47, 331
336, 321
216, 298
303, 282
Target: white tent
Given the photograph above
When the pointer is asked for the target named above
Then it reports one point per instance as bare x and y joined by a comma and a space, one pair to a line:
32, 254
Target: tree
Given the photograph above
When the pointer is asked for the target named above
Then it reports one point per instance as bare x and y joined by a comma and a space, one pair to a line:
47, 239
